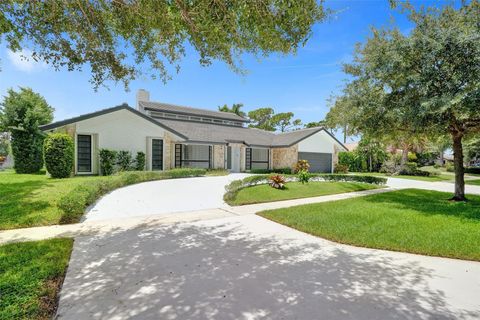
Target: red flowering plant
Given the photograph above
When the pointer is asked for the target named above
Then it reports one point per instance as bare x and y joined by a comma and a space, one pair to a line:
277, 181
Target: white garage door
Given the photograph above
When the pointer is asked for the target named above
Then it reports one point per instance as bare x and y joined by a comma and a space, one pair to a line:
319, 162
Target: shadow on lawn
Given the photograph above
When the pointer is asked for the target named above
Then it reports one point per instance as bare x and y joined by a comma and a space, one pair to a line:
429, 203
219, 270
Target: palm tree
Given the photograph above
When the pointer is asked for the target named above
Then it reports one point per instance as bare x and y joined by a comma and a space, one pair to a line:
236, 108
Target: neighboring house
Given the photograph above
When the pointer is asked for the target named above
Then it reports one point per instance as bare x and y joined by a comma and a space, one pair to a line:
352, 146
174, 136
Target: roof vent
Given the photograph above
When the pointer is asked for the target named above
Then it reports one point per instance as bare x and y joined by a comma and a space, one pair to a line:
142, 95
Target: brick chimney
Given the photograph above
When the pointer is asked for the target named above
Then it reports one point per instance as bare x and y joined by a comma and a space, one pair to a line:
142, 95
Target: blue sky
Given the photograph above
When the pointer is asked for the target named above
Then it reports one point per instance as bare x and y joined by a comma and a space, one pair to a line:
299, 83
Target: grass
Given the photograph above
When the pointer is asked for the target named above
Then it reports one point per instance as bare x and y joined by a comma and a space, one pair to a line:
473, 182
31, 274
295, 190
441, 177
411, 220
28, 200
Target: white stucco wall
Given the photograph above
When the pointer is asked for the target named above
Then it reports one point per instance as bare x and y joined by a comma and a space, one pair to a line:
120, 130
320, 142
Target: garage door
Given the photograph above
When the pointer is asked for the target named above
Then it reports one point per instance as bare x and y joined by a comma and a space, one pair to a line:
319, 162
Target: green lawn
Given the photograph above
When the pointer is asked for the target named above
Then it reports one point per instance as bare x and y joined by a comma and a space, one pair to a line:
473, 182
31, 275
28, 200
411, 220
295, 190
442, 177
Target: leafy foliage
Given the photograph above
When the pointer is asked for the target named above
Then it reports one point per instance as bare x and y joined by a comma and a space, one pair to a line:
340, 168
124, 160
301, 165
140, 161
59, 154
4, 144
21, 114
107, 161
277, 181
261, 119
122, 40
303, 176
275, 170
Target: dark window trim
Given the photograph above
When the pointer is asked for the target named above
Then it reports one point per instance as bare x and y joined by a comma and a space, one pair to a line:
179, 161
249, 160
161, 154
90, 156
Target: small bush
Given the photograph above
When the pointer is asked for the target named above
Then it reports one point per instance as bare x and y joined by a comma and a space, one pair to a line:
277, 181
217, 172
27, 150
412, 157
124, 160
107, 162
436, 166
352, 178
449, 167
140, 161
303, 176
59, 154
340, 168
301, 165
74, 203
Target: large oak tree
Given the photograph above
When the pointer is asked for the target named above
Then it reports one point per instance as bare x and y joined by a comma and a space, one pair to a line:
425, 82
121, 40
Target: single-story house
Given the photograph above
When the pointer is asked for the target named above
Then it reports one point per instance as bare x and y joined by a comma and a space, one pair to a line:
174, 136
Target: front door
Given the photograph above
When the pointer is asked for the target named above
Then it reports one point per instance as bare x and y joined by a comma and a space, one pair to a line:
235, 156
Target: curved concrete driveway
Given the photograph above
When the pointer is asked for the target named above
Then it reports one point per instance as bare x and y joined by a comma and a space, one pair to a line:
163, 196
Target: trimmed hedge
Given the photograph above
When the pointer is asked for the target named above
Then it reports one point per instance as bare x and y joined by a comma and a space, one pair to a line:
235, 186
27, 150
473, 170
58, 149
107, 161
74, 203
267, 171
140, 161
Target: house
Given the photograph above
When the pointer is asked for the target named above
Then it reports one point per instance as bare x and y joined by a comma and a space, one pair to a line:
174, 136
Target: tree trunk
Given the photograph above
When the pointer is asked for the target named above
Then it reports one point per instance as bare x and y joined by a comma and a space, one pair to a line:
404, 159
442, 159
345, 134
459, 169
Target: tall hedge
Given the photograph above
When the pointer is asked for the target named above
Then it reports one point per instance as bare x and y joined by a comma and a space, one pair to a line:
59, 155
27, 150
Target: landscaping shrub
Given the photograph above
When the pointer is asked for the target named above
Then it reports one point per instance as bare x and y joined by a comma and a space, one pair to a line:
277, 181
59, 154
449, 167
27, 150
124, 160
351, 160
74, 203
140, 161
107, 161
340, 168
473, 170
277, 170
301, 165
217, 172
352, 178
303, 176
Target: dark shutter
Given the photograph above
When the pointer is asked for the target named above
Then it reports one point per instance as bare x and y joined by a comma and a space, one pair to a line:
178, 156
210, 157
84, 153
229, 158
248, 159
157, 154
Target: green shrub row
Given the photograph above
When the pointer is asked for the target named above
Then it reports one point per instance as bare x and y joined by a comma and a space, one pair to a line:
112, 161
74, 203
285, 170
235, 186
473, 170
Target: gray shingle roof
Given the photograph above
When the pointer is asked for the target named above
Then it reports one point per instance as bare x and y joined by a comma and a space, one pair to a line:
166, 107
216, 133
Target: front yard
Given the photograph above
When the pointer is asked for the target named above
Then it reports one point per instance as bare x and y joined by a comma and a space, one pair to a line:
416, 221
28, 200
31, 274
296, 190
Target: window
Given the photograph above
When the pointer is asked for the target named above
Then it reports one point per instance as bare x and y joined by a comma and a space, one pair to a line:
256, 158
84, 153
193, 156
157, 154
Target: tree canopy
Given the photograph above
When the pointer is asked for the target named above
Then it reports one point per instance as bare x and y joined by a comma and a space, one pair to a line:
267, 119
121, 40
236, 108
425, 82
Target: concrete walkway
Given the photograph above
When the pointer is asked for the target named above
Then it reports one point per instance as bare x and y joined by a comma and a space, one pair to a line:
246, 267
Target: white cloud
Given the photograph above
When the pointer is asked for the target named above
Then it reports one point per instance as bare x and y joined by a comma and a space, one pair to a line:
23, 61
